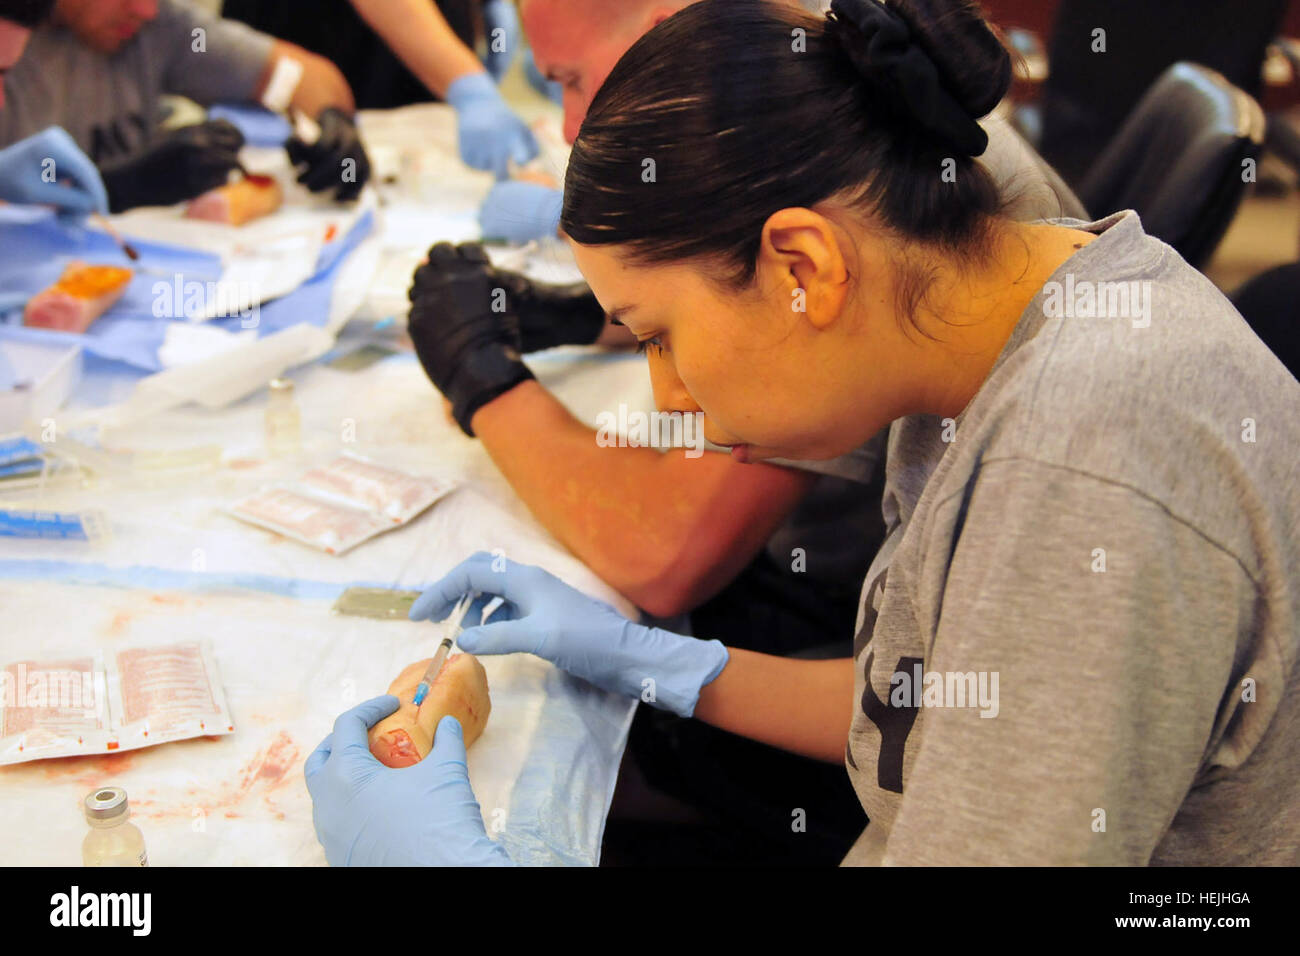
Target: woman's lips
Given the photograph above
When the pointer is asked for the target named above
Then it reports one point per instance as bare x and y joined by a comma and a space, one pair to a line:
740, 451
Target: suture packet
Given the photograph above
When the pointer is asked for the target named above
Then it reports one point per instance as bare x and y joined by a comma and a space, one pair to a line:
96, 703
335, 529
338, 505
362, 483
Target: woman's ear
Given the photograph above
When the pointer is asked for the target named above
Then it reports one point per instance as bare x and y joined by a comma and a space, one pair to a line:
801, 256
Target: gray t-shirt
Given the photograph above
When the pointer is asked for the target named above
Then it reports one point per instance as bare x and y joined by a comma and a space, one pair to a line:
1114, 535
835, 504
109, 103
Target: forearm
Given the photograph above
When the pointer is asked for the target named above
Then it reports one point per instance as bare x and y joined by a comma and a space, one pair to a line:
418, 34
636, 516
322, 84
805, 707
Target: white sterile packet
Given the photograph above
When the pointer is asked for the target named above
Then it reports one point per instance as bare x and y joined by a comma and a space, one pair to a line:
338, 505
395, 494
334, 528
168, 692
53, 708
137, 697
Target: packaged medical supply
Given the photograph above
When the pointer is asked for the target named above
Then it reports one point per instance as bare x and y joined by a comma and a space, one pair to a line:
380, 604
28, 470
338, 505
21, 469
361, 358
95, 703
15, 449
359, 481
91, 526
335, 529
85, 450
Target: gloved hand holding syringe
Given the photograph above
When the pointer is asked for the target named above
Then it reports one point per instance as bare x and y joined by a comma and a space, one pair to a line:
426, 691
444, 649
366, 814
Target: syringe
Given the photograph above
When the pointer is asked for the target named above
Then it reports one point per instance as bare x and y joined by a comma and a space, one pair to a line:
431, 672
454, 620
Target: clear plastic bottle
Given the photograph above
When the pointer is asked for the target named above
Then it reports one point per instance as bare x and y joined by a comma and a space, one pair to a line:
112, 841
283, 421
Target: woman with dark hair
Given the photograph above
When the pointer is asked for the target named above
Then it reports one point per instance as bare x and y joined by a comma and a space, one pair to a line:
1078, 642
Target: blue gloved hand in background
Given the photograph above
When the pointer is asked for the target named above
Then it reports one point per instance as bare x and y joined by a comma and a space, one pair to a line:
519, 211
490, 135
367, 814
500, 15
544, 616
48, 168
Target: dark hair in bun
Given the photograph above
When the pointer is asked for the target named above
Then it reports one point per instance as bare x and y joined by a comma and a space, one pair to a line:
970, 55
27, 13
733, 109
936, 61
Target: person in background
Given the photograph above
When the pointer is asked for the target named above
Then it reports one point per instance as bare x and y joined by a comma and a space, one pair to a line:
1080, 642
395, 52
575, 43
46, 168
757, 554
98, 70
17, 20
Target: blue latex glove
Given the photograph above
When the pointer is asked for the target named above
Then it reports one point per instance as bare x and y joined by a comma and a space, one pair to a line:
489, 134
519, 211
544, 616
501, 47
367, 814
27, 165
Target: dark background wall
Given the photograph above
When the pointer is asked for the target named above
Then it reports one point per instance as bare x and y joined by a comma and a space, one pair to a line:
1038, 15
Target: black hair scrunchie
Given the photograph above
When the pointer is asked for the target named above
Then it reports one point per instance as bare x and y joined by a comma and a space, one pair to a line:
879, 43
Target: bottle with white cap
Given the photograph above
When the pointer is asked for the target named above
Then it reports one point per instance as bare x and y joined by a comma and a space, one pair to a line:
283, 421
112, 840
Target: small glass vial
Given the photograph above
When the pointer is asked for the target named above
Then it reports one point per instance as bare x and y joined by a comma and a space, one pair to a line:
112, 841
283, 421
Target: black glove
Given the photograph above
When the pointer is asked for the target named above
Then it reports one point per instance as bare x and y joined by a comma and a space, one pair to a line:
180, 165
326, 160
551, 315
468, 349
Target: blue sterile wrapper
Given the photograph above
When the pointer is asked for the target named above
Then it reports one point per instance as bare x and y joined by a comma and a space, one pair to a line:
18, 450
44, 524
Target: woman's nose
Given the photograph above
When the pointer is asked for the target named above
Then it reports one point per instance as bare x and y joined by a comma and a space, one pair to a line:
670, 394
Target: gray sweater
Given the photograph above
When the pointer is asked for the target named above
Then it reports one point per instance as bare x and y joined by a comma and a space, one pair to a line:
1078, 643
109, 103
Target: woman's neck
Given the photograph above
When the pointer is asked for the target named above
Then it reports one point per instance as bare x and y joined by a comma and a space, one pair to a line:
968, 318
